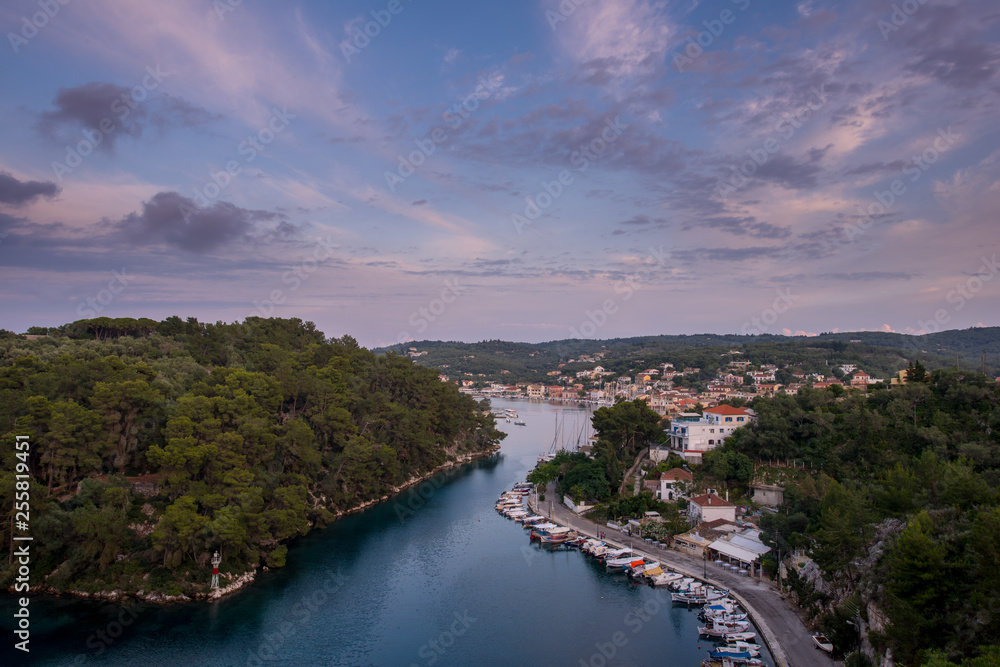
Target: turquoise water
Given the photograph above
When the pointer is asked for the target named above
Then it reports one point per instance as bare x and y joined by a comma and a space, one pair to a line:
432, 577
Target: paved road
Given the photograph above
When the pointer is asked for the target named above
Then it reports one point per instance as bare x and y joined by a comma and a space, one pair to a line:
786, 634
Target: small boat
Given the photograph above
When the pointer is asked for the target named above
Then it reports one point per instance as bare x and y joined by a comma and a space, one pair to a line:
622, 561
822, 642
519, 423
701, 595
730, 661
724, 630
744, 636
752, 649
615, 553
735, 658
666, 578
731, 651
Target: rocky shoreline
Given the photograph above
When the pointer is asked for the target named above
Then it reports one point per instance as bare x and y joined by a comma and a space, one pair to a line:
239, 581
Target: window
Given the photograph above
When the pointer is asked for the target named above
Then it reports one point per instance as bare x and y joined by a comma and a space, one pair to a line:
739, 419
729, 419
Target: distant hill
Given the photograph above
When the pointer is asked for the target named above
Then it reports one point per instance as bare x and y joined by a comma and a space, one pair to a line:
879, 353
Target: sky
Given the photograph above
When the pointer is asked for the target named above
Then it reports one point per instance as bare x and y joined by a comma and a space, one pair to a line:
528, 170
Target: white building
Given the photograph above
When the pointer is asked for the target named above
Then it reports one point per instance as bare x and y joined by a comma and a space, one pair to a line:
709, 507
691, 435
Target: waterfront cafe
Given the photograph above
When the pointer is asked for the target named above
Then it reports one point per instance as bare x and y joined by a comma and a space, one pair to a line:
740, 552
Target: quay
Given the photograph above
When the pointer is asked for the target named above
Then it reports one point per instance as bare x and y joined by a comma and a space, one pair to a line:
783, 630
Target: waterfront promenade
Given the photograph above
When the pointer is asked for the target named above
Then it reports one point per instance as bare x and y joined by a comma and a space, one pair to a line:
788, 638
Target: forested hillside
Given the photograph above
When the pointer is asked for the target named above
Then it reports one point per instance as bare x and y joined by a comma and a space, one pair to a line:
155, 443
879, 353
901, 512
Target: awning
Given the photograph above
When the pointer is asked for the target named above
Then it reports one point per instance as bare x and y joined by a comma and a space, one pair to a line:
728, 549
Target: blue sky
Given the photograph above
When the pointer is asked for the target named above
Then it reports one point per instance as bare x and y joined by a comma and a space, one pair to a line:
524, 170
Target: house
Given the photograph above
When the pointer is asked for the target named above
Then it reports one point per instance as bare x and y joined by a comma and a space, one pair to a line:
554, 391
861, 379
672, 484
692, 543
691, 434
536, 391
709, 507
768, 494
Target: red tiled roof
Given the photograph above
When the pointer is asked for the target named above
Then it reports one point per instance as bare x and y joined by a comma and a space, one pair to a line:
677, 473
706, 500
727, 410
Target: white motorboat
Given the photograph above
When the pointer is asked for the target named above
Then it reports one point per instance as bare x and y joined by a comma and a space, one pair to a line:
666, 578
752, 649
822, 642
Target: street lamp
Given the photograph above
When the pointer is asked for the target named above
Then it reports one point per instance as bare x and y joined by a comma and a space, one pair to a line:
857, 626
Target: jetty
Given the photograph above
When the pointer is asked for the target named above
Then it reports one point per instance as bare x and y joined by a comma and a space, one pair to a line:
781, 627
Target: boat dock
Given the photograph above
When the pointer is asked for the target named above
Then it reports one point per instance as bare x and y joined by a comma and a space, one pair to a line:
793, 647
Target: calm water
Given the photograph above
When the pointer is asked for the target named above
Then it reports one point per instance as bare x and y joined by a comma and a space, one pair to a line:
432, 577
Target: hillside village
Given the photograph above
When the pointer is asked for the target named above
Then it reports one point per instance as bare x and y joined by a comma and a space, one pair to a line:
663, 387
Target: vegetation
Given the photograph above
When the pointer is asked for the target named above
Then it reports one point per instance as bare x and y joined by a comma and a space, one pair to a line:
622, 431
901, 511
245, 435
879, 353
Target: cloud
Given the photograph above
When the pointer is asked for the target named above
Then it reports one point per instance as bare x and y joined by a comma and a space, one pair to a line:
741, 226
18, 193
177, 221
791, 173
88, 106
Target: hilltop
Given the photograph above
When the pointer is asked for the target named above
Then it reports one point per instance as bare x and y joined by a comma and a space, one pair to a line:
881, 353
